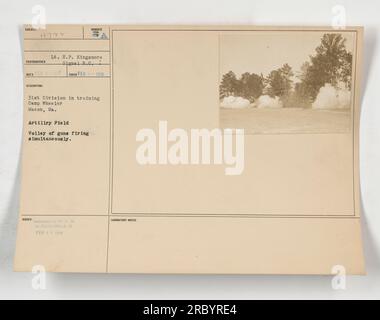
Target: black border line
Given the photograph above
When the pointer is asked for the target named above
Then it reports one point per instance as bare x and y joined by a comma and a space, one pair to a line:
163, 215
200, 215
110, 159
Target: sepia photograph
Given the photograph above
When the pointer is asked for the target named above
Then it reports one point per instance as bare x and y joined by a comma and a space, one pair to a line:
286, 81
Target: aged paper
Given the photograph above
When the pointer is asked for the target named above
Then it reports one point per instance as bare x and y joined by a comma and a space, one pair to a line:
191, 149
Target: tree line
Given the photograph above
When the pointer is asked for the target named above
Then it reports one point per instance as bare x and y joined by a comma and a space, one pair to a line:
331, 63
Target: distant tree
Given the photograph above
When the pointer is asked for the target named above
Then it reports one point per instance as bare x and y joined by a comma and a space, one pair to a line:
304, 69
250, 86
279, 82
300, 97
228, 85
346, 70
331, 63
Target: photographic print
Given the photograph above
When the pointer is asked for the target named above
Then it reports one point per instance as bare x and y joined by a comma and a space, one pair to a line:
287, 81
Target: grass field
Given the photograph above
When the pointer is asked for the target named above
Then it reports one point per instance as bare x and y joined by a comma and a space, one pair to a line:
286, 120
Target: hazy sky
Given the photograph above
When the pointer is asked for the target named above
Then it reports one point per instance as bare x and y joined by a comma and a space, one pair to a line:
264, 51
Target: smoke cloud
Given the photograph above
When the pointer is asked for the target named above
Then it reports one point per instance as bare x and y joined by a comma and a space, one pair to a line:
232, 102
266, 101
332, 98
